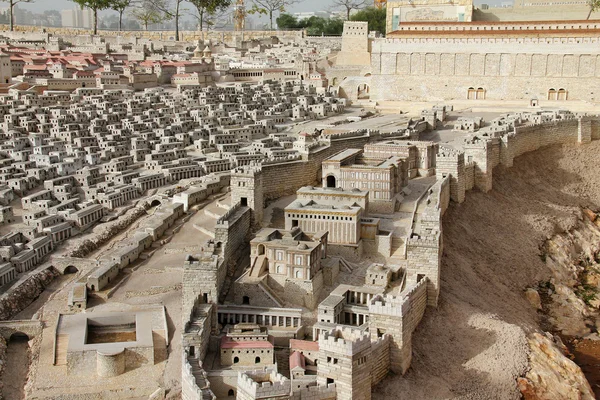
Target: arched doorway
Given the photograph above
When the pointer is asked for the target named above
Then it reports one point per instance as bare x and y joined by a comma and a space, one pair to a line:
330, 181
257, 360
552, 94
231, 393
236, 360
363, 91
562, 94
261, 249
334, 81
71, 269
155, 203
471, 94
480, 95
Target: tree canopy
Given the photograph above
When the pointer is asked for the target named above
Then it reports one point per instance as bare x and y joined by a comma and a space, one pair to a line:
374, 16
594, 5
315, 26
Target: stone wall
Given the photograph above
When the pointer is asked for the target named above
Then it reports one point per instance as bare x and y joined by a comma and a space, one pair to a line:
508, 68
380, 359
307, 172
26, 292
189, 36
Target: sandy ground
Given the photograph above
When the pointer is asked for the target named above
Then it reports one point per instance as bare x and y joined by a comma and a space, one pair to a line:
473, 345
17, 362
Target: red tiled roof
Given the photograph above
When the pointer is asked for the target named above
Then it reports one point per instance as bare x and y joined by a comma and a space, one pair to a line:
296, 344
297, 360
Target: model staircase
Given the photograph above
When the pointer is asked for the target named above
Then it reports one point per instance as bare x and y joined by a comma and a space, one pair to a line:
62, 344
200, 377
257, 267
398, 248
271, 294
346, 265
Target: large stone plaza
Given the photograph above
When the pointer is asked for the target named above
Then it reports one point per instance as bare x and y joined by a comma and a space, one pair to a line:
262, 215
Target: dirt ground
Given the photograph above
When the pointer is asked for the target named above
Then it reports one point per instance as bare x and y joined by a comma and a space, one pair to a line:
473, 346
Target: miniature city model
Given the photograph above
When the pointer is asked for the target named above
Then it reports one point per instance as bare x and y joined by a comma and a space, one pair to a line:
250, 217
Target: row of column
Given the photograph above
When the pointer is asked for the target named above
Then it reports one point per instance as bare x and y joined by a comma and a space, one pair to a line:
61, 235
96, 215
259, 319
8, 276
358, 297
356, 319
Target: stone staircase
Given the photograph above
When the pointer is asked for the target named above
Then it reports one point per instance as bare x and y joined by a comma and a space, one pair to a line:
269, 292
398, 248
200, 377
346, 265
62, 344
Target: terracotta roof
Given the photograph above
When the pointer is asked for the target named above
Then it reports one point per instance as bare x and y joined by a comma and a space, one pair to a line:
297, 360
296, 344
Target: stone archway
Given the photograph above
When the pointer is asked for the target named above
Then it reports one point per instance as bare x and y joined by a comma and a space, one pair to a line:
70, 269
362, 92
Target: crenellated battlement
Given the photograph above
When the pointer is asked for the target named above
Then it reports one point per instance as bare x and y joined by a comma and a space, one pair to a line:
344, 340
265, 383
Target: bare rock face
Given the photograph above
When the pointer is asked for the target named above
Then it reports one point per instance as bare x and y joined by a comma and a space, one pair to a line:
534, 298
27, 292
552, 376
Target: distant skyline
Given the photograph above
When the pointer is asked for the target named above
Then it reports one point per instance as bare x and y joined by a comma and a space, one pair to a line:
43, 5
301, 6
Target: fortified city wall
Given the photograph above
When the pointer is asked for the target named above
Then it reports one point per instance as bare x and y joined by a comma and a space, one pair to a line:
71, 34
457, 172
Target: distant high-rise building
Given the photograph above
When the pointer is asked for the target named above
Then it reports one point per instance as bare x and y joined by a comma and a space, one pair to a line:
77, 18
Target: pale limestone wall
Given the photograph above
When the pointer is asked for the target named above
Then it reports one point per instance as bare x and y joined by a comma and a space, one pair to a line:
355, 44
223, 381
200, 277
350, 253
507, 68
533, 13
450, 162
109, 365
380, 359
297, 292
256, 295
247, 357
315, 393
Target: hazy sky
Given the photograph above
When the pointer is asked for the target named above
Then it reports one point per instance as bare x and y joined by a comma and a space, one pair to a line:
41, 5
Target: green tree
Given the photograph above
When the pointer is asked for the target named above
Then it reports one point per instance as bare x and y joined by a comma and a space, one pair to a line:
375, 17
207, 8
287, 21
149, 12
594, 5
120, 6
269, 7
95, 6
11, 9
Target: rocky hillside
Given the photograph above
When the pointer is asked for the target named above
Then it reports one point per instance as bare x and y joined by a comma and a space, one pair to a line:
482, 337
